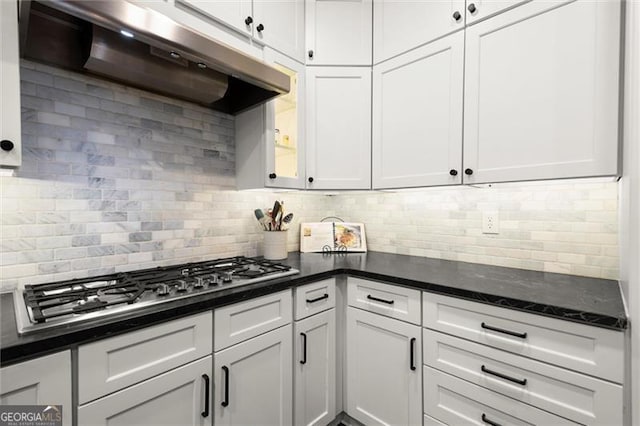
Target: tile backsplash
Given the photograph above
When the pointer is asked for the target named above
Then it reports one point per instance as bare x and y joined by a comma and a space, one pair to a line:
114, 178
568, 227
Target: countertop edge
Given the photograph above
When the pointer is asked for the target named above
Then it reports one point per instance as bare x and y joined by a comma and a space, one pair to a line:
66, 340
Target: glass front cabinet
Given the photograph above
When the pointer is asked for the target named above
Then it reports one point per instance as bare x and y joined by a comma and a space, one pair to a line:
270, 138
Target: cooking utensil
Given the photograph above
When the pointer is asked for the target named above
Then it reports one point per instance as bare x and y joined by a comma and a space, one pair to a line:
261, 218
274, 214
288, 218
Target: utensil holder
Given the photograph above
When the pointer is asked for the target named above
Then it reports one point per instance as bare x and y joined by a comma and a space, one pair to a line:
275, 245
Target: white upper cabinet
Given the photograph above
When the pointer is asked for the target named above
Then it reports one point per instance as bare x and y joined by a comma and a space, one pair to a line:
338, 128
478, 10
280, 25
10, 128
270, 144
399, 26
417, 116
338, 32
237, 13
277, 24
541, 92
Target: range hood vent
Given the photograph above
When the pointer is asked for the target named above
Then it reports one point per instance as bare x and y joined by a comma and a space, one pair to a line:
120, 41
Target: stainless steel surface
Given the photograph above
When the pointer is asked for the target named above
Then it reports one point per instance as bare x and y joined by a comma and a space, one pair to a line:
51, 305
163, 56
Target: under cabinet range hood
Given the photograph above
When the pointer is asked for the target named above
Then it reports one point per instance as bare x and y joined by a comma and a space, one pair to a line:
137, 46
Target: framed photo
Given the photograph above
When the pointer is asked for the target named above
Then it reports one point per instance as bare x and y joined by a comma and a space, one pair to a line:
332, 236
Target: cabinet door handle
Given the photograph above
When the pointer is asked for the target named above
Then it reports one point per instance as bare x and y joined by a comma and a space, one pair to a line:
304, 349
310, 179
310, 52
521, 382
457, 16
317, 299
248, 20
388, 302
468, 172
412, 349
7, 145
489, 422
272, 176
205, 413
453, 172
472, 8
225, 402
503, 331
260, 28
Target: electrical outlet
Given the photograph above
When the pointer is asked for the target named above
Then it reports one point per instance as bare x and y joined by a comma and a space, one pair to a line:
490, 222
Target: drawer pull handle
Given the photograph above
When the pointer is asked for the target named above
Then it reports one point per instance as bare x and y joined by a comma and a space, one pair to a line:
521, 382
388, 302
489, 422
304, 348
412, 349
317, 299
225, 402
503, 331
205, 413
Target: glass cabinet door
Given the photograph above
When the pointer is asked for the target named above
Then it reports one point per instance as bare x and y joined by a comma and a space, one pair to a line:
284, 128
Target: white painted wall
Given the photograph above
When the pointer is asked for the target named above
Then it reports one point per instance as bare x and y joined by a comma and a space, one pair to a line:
630, 201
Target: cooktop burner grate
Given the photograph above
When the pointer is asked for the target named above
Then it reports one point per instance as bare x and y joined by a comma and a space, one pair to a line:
52, 304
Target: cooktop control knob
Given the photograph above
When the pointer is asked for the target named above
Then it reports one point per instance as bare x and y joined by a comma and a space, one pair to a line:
182, 286
199, 282
227, 277
163, 290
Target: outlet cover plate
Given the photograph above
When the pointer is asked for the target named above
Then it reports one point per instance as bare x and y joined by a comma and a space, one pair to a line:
490, 222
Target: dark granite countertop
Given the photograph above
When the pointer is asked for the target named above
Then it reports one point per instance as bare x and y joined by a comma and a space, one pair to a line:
585, 300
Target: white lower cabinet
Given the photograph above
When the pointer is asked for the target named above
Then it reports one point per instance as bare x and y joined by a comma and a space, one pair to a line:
180, 397
253, 381
41, 381
384, 377
452, 401
314, 367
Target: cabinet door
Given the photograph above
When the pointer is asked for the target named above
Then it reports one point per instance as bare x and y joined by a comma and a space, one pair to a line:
315, 369
384, 381
417, 116
338, 32
41, 381
285, 127
399, 26
232, 13
175, 398
338, 128
541, 92
478, 10
11, 150
280, 25
253, 381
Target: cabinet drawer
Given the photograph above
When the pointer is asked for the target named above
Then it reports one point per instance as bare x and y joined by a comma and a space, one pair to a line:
577, 397
592, 350
112, 364
315, 297
241, 321
385, 299
456, 402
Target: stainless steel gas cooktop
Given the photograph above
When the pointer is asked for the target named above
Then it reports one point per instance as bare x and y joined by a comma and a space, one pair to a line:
45, 306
